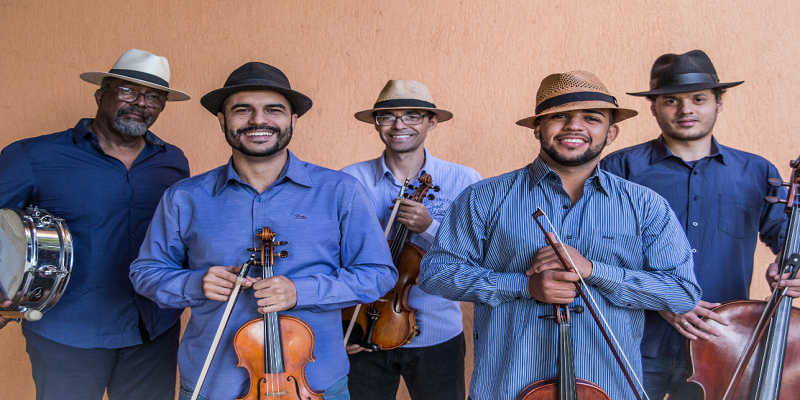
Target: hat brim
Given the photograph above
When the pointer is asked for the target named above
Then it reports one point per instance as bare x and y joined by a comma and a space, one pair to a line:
692, 87
620, 114
96, 78
213, 100
368, 115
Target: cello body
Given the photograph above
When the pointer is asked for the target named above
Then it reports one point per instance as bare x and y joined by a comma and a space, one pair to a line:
715, 359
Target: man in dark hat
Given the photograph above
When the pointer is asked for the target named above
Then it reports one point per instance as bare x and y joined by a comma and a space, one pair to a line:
625, 242
104, 177
205, 225
718, 195
403, 115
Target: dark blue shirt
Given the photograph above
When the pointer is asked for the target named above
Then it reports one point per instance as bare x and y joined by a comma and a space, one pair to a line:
108, 209
720, 205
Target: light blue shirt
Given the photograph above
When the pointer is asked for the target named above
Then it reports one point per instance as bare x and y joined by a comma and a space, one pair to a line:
487, 240
438, 319
337, 258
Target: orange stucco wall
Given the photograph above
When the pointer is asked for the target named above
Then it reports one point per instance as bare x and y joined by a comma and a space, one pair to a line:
482, 60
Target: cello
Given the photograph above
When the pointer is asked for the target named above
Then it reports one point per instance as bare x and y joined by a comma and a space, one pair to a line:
756, 355
390, 322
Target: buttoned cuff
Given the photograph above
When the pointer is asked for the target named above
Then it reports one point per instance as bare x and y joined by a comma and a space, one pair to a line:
430, 234
194, 285
306, 292
512, 286
605, 277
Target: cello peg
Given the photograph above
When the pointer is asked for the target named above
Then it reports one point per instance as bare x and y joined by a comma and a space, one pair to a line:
282, 254
436, 188
775, 182
430, 196
774, 200
279, 243
577, 309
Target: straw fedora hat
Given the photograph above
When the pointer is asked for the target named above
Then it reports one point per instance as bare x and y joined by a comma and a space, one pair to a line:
403, 94
143, 68
681, 73
256, 76
574, 90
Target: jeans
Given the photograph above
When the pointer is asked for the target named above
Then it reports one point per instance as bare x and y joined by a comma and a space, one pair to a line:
337, 391
667, 375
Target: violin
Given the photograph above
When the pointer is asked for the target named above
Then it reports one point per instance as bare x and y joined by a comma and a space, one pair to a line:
390, 322
565, 386
757, 354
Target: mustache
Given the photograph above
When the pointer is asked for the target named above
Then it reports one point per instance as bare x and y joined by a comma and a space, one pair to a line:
273, 129
142, 112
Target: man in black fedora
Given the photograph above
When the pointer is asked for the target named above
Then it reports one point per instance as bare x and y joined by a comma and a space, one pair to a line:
718, 195
202, 231
104, 177
403, 115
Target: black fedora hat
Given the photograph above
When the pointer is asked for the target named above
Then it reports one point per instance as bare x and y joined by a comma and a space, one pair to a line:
680, 73
256, 76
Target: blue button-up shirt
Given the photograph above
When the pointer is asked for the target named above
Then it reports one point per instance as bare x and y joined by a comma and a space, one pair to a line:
107, 208
641, 260
438, 319
337, 258
720, 204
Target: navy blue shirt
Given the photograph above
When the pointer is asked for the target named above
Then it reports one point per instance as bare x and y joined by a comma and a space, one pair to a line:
720, 204
108, 209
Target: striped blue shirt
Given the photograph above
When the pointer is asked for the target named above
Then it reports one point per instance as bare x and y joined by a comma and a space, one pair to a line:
487, 240
438, 319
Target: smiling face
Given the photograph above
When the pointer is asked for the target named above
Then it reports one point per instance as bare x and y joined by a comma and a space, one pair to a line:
686, 116
257, 123
402, 138
127, 118
574, 138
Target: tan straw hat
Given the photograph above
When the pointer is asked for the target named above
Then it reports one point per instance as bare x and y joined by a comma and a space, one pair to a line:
403, 94
574, 90
142, 67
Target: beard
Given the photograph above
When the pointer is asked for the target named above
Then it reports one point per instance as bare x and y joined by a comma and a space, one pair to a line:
701, 130
129, 127
590, 154
234, 139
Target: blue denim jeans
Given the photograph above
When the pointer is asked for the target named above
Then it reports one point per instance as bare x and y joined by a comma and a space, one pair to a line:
667, 375
337, 391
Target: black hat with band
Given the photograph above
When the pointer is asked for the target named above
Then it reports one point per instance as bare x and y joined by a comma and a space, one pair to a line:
681, 73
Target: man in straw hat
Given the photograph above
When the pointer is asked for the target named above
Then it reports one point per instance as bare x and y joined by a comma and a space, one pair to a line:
718, 195
624, 240
403, 115
337, 254
104, 177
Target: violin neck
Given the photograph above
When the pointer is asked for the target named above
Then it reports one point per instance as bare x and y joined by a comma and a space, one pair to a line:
399, 243
273, 350
768, 385
567, 387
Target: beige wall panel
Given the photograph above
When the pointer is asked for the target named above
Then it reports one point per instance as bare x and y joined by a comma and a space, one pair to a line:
482, 60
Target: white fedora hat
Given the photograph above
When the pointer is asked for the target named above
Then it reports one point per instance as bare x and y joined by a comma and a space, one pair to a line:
144, 68
403, 94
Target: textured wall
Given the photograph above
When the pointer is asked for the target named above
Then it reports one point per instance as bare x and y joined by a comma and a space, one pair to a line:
482, 60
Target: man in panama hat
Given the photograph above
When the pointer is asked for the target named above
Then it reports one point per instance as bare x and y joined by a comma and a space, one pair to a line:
337, 256
104, 177
403, 115
625, 242
717, 193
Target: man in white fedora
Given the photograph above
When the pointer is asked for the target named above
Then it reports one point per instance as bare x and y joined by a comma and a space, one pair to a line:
403, 115
104, 177
625, 241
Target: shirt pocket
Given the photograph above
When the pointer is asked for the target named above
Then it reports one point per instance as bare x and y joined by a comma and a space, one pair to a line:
623, 250
736, 219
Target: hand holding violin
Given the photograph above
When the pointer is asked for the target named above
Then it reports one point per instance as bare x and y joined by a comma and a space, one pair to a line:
219, 281
413, 215
4, 303
275, 294
548, 282
691, 325
773, 279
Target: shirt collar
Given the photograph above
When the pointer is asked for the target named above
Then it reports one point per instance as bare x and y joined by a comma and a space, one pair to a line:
539, 170
294, 170
81, 130
660, 151
382, 171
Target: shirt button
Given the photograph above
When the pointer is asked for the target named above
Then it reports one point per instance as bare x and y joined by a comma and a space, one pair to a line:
566, 207
258, 199
694, 223
694, 250
694, 172
695, 198
258, 229
569, 236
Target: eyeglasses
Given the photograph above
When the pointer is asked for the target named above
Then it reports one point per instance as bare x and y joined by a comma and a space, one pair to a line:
409, 119
129, 95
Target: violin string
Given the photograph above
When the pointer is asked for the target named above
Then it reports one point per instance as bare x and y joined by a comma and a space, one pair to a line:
597, 308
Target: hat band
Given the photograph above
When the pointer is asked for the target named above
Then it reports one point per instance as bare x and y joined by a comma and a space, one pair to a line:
142, 76
573, 98
683, 79
403, 103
